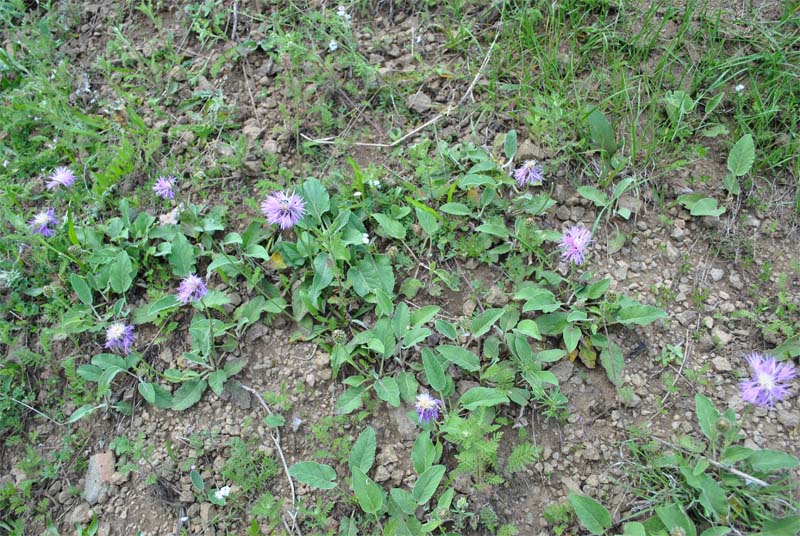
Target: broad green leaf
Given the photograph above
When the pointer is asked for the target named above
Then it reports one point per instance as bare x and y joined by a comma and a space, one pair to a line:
147, 391
772, 460
387, 390
362, 455
707, 207
530, 328
482, 397
707, 416
317, 200
368, 494
408, 385
594, 195
404, 500
188, 394
715, 531
484, 321
742, 156
510, 144
426, 484
423, 453
572, 335
639, 314
613, 362
316, 475
434, 372
216, 380
121, 273
81, 289
786, 526
495, 229
460, 356
390, 226
181, 257
674, 516
593, 516
80, 413
371, 273
152, 311
350, 400
456, 209
634, 529
424, 315
602, 132
197, 480
790, 348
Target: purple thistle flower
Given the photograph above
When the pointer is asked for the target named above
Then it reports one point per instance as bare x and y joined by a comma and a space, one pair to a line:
119, 337
529, 173
769, 382
42, 221
574, 242
282, 209
427, 408
62, 176
163, 187
191, 288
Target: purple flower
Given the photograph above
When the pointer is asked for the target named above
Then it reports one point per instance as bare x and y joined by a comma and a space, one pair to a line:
769, 382
163, 187
119, 337
529, 173
42, 221
62, 176
574, 242
191, 288
427, 408
282, 209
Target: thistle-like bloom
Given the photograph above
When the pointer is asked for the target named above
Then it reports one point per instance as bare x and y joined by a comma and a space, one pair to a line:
62, 176
769, 382
282, 209
574, 243
191, 289
163, 187
119, 337
529, 173
427, 408
42, 221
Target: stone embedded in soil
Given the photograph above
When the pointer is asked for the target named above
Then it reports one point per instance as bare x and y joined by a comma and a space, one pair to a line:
419, 102
528, 150
98, 476
80, 514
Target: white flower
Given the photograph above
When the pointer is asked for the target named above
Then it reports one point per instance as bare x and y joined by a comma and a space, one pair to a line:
222, 492
296, 422
342, 12
170, 218
739, 88
356, 194
333, 45
364, 238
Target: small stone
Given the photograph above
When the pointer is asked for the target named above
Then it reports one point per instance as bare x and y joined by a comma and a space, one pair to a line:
562, 370
736, 281
256, 331
630, 202
495, 296
80, 514
468, 307
419, 102
563, 213
382, 474
621, 272
528, 150
252, 131
716, 274
270, 147
721, 364
720, 336
789, 418
708, 322
98, 475
672, 254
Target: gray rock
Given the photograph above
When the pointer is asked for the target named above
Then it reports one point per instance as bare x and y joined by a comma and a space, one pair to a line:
419, 102
98, 476
716, 274
672, 254
528, 150
789, 418
563, 370
80, 515
631, 203
720, 336
721, 364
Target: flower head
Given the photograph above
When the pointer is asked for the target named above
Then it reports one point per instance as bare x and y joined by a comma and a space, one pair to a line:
61, 176
282, 209
333, 45
163, 187
191, 288
739, 88
119, 337
769, 382
41, 222
222, 492
529, 173
169, 218
427, 408
574, 242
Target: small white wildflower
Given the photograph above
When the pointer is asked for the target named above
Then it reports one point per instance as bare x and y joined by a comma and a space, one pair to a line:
333, 45
342, 12
356, 194
170, 218
739, 88
364, 238
5, 163
296, 422
222, 492
375, 184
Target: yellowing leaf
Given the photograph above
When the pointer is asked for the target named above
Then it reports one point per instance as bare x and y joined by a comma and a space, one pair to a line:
276, 261
472, 193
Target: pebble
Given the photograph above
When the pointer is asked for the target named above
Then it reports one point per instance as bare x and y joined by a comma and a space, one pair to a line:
721, 364
98, 475
716, 274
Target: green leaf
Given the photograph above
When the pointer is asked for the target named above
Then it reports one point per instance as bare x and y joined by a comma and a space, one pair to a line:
742, 156
707, 416
716, 531
197, 480
484, 321
674, 516
789, 349
639, 314
707, 207
460, 356
495, 229
152, 311
426, 484
391, 227
350, 400
121, 273
317, 200
634, 529
216, 380
81, 289
767, 460
423, 453
592, 515
387, 390
408, 385
371, 273
423, 315
510, 144
731, 184
456, 209
477, 397
147, 391
529, 328
613, 362
80, 413
572, 335
316, 475
181, 257
362, 455
602, 132
594, 195
434, 372
275, 420
404, 500
368, 494
787, 526
188, 394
